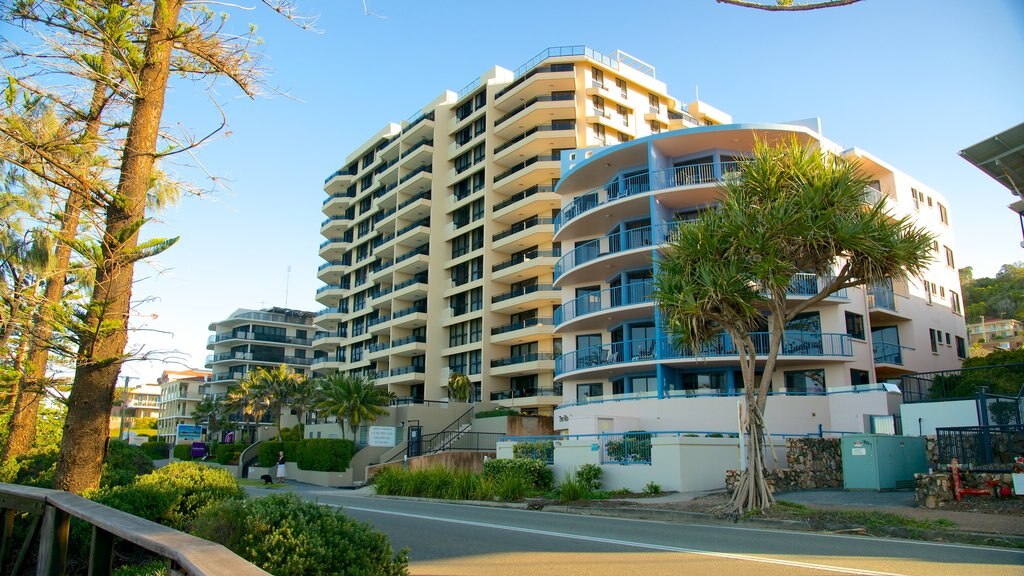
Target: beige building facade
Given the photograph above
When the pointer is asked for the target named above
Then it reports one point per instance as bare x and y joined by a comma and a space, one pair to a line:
179, 394
439, 248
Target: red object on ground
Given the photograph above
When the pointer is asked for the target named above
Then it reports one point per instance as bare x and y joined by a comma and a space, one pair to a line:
994, 488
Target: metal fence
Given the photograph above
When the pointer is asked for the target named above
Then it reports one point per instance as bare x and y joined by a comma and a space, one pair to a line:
627, 448
1007, 379
989, 448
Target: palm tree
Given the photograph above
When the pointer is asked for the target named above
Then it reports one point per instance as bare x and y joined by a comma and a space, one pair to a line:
211, 411
458, 387
277, 387
792, 209
305, 395
247, 397
353, 399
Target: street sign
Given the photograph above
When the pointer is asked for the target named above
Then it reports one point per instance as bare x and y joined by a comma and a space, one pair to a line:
382, 436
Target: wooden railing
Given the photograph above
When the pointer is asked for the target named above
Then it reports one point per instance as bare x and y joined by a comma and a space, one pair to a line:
52, 510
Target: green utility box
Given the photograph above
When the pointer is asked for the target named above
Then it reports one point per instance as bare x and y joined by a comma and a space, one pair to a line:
882, 462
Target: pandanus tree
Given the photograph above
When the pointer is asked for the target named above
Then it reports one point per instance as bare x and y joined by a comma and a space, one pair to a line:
458, 387
791, 209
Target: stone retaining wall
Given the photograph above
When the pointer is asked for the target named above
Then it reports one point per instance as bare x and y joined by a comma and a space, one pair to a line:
935, 490
453, 460
813, 463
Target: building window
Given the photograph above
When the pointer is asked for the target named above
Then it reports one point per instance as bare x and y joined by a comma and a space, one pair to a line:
805, 381
655, 127
585, 392
474, 361
644, 383
942, 215
598, 75
622, 87
855, 325
948, 343
859, 377
913, 194
933, 339
935, 245
954, 302
961, 349
949, 257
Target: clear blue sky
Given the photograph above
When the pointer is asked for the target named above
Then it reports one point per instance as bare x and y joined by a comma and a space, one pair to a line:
911, 81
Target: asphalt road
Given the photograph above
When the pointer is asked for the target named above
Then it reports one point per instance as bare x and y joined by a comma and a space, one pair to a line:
461, 539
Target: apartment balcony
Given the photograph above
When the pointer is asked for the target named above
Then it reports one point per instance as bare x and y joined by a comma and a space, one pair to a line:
328, 365
412, 317
335, 204
529, 172
334, 248
330, 317
657, 114
536, 141
526, 298
409, 346
889, 360
539, 81
520, 332
534, 201
414, 288
418, 126
798, 347
622, 251
413, 234
379, 351
612, 192
522, 365
379, 325
534, 111
253, 357
413, 261
883, 305
225, 377
339, 181
330, 293
330, 272
415, 207
534, 397
406, 375
529, 265
335, 226
608, 307
529, 232
416, 180
418, 153
234, 337
323, 339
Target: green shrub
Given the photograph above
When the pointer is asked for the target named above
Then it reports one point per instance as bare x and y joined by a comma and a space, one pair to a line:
535, 472
497, 412
652, 489
509, 487
287, 536
172, 495
325, 454
156, 450
144, 423
543, 450
436, 482
227, 453
267, 455
293, 434
182, 451
589, 475
571, 490
34, 468
123, 463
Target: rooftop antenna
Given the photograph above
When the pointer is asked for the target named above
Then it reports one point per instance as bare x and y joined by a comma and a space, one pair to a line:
287, 280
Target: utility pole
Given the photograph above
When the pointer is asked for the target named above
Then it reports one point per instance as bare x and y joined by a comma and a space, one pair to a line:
124, 405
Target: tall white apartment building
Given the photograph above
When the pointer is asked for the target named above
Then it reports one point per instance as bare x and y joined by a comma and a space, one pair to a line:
438, 249
179, 394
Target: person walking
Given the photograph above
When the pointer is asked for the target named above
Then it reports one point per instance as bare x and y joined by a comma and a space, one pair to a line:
281, 470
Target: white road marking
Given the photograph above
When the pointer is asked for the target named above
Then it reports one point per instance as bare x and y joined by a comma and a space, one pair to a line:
742, 557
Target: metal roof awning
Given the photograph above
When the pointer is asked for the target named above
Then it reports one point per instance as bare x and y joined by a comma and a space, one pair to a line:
1002, 158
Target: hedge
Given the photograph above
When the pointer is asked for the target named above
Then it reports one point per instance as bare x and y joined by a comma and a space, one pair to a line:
156, 450
182, 451
533, 471
287, 536
227, 453
314, 454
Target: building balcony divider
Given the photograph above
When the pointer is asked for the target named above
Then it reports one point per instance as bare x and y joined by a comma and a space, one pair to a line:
519, 259
525, 164
532, 392
531, 102
644, 237
795, 343
521, 226
567, 125
518, 196
521, 359
513, 326
521, 292
607, 299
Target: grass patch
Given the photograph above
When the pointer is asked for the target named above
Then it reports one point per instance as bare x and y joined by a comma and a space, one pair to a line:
874, 523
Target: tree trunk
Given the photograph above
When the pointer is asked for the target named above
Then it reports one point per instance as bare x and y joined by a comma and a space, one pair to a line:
101, 352
30, 388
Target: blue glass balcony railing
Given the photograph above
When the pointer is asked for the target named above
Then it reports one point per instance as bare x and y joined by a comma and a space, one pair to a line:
645, 350
881, 298
627, 295
610, 192
645, 237
887, 353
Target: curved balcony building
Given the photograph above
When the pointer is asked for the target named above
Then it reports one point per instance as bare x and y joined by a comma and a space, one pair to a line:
621, 205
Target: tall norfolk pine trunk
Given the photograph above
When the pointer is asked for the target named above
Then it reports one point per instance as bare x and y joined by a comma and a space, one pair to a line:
33, 380
100, 354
